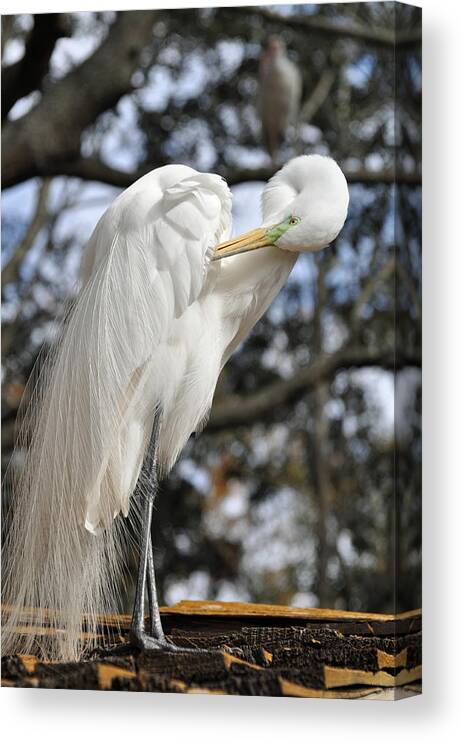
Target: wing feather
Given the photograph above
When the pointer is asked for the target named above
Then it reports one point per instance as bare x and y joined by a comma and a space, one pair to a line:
148, 265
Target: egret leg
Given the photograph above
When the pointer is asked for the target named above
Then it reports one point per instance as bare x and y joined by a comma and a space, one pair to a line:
147, 487
138, 617
156, 629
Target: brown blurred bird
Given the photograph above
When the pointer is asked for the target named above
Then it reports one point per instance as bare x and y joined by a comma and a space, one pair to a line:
280, 94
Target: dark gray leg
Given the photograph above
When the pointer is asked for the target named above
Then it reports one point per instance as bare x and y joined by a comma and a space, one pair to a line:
156, 629
147, 487
137, 631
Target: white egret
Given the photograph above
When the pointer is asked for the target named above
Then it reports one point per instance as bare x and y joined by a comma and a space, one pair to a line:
166, 298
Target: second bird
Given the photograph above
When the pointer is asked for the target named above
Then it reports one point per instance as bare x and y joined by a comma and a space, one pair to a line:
280, 94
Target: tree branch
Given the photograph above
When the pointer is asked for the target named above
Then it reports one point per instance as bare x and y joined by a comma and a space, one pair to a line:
27, 74
8, 30
92, 168
387, 177
318, 97
245, 410
50, 133
10, 273
323, 26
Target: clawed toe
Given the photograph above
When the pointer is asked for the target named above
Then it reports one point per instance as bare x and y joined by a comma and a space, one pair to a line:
146, 643
185, 650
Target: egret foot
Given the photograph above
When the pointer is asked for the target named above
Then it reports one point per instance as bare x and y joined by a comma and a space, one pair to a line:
146, 643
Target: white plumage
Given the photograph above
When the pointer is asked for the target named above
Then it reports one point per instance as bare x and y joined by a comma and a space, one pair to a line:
280, 92
156, 319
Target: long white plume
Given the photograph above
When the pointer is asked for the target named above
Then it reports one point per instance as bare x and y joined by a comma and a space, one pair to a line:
74, 464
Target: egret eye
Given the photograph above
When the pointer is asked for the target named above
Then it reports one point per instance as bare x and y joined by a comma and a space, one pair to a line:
294, 220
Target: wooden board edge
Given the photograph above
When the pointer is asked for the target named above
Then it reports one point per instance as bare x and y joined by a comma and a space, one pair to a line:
222, 609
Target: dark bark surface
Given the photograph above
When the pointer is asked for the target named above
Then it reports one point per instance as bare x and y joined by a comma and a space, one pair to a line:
27, 75
51, 132
251, 650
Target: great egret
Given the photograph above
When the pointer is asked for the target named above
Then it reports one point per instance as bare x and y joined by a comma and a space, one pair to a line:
166, 298
280, 90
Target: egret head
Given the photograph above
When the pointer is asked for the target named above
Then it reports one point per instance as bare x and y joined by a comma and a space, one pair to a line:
304, 208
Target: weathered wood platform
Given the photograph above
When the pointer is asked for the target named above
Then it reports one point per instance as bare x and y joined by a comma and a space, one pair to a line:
262, 650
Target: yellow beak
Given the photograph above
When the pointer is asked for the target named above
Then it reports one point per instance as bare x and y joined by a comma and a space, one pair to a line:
252, 240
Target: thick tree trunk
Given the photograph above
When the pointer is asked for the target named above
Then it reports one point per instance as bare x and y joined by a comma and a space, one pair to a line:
51, 132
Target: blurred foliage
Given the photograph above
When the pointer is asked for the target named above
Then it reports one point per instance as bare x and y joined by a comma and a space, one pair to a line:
317, 501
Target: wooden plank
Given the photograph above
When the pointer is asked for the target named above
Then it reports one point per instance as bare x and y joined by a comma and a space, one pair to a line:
32, 616
213, 608
47, 631
205, 616
301, 691
107, 673
30, 662
248, 649
336, 677
182, 687
220, 608
386, 660
230, 660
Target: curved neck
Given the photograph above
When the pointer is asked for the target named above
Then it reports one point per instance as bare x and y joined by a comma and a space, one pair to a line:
250, 270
